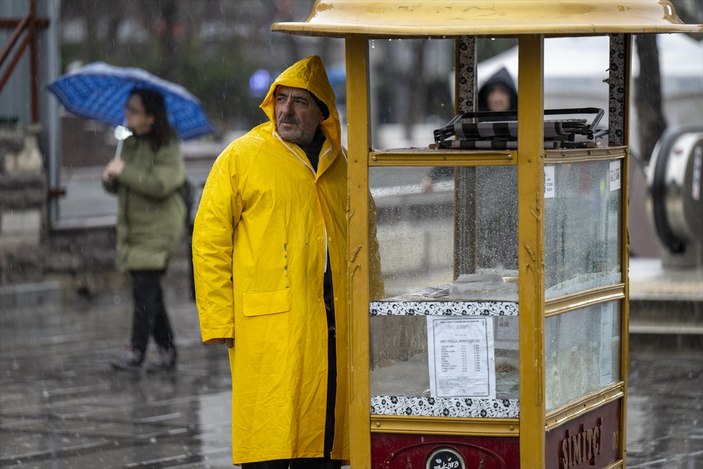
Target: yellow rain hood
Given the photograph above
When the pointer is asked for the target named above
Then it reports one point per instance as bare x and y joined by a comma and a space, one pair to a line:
433, 18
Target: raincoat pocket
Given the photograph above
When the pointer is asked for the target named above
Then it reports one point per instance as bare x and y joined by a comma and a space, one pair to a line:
270, 302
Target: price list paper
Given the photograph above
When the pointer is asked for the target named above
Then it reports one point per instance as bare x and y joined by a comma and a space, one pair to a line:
461, 357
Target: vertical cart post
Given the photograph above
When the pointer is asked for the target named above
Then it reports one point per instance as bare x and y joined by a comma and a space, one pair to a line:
531, 246
357, 116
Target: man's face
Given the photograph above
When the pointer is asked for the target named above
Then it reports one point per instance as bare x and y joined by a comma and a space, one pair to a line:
297, 114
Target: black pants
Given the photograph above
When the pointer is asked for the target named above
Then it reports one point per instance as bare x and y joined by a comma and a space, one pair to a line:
312, 463
150, 316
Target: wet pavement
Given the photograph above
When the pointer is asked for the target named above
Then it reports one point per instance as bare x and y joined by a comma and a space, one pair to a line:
61, 406
665, 405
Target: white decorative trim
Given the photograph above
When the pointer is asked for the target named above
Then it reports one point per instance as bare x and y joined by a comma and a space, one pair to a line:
616, 94
445, 407
466, 75
443, 308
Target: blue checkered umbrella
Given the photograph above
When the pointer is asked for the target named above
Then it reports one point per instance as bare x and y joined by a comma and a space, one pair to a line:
100, 91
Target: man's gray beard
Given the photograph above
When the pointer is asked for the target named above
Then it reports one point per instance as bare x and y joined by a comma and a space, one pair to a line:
297, 138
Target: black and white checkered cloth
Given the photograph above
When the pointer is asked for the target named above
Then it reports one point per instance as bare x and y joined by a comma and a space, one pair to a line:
507, 130
495, 134
494, 144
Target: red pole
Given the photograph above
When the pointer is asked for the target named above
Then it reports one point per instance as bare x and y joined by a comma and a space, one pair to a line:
13, 39
16, 58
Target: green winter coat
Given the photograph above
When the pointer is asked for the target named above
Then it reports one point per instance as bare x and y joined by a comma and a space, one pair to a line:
151, 212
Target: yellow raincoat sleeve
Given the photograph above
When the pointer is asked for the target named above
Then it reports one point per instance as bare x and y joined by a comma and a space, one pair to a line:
218, 213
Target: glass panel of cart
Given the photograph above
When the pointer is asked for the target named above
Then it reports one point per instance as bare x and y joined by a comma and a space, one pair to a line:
582, 352
444, 339
582, 226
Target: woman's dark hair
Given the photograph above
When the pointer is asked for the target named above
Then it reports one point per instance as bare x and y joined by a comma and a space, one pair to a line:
154, 105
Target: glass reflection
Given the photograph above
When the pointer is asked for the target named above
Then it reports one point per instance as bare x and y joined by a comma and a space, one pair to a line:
399, 356
582, 226
411, 85
582, 350
456, 240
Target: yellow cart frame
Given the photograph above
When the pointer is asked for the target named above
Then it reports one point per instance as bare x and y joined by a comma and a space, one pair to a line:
358, 22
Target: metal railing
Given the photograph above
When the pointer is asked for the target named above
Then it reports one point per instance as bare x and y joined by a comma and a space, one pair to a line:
24, 36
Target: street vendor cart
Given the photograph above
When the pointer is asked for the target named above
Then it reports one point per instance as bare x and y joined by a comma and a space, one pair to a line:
501, 340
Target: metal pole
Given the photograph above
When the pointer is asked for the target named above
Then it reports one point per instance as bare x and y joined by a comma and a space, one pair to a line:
33, 68
465, 177
51, 59
13, 39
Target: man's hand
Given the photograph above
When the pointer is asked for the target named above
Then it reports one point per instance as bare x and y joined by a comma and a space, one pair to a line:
228, 342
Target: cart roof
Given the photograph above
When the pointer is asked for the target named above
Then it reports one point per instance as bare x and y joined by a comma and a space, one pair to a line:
434, 18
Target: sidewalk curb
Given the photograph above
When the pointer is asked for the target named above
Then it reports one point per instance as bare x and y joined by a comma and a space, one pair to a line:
27, 295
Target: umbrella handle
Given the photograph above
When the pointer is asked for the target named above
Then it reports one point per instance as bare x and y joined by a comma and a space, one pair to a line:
121, 134
118, 149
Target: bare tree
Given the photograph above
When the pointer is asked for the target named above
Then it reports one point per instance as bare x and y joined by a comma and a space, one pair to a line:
648, 96
416, 88
169, 64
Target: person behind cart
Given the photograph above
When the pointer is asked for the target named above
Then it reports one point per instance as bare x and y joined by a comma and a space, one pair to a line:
497, 94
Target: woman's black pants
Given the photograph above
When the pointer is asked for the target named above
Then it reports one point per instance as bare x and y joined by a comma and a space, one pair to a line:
150, 316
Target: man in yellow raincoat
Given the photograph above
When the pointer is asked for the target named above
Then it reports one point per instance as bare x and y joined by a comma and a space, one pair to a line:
269, 248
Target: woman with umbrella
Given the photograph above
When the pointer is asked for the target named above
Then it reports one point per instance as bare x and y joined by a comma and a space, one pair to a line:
150, 222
